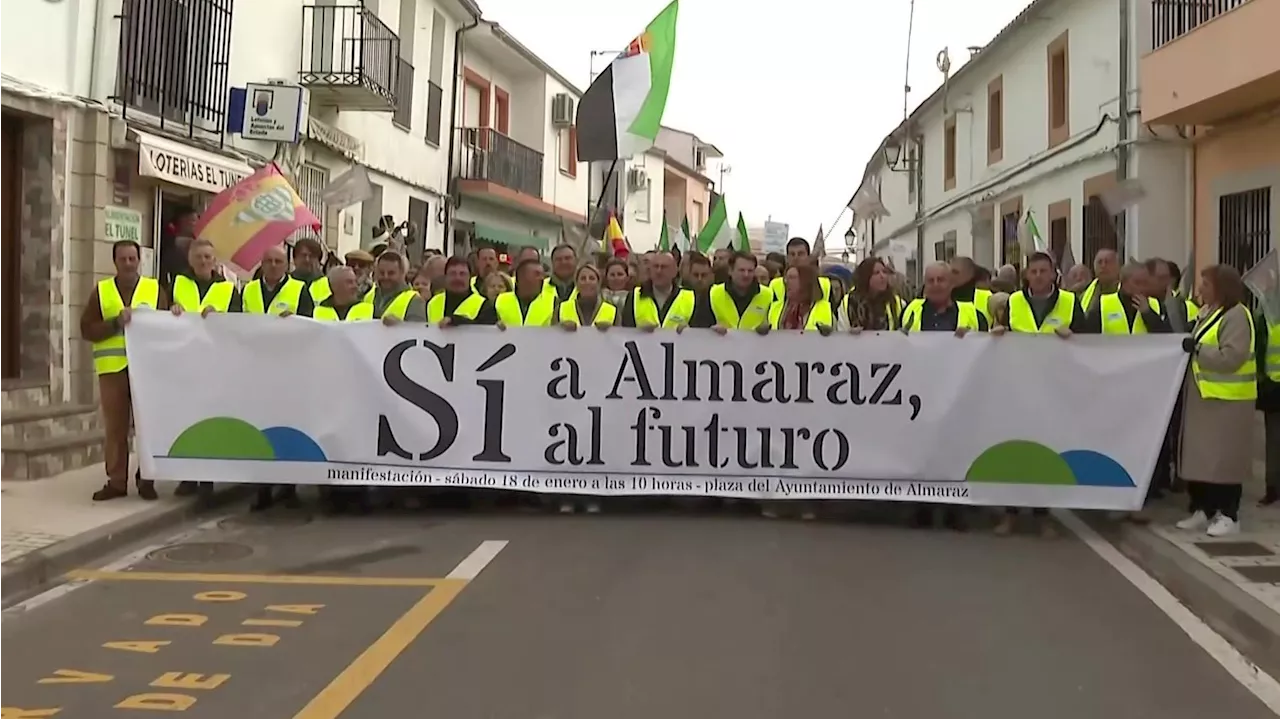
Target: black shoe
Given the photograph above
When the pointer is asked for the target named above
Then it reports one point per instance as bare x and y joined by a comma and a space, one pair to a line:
147, 490
185, 489
109, 492
289, 497
264, 499
952, 519
922, 518
1269, 498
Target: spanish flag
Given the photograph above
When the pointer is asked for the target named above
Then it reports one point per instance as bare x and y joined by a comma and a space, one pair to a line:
615, 243
256, 213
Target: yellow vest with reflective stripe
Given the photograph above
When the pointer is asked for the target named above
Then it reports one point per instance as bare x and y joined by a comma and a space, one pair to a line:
187, 294
1240, 385
819, 314
541, 310
467, 309
319, 290
778, 286
1116, 322
109, 355
646, 310
358, 311
967, 316
1023, 319
285, 300
399, 305
1272, 366
726, 310
567, 311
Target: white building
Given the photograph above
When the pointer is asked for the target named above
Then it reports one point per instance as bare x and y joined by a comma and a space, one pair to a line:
517, 176
1044, 119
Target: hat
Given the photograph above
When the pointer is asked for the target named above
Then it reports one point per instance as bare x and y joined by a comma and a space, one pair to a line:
839, 272
358, 256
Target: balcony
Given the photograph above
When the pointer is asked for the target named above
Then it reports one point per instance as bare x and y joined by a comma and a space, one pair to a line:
489, 156
1213, 60
350, 59
172, 63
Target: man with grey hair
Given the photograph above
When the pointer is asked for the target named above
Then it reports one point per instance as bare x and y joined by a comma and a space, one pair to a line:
343, 303
1106, 270
1006, 279
1130, 309
1077, 279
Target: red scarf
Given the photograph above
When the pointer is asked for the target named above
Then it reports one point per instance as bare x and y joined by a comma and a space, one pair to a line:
796, 316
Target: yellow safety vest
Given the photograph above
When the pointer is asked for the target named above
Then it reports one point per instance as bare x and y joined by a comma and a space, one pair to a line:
109, 355
285, 300
467, 309
778, 286
398, 306
319, 290
1116, 322
1240, 385
1023, 319
982, 302
1087, 296
1272, 357
892, 310
541, 310
726, 310
567, 311
967, 316
359, 311
819, 314
187, 294
646, 310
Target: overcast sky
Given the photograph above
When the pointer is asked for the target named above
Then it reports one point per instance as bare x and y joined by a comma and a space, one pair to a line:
797, 94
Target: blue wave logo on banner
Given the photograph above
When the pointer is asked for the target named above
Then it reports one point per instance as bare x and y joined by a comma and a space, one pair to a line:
231, 438
1021, 461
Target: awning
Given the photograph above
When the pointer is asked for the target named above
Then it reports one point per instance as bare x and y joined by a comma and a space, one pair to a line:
187, 165
510, 238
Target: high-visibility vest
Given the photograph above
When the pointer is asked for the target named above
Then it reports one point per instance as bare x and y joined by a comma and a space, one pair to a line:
892, 310
467, 309
646, 309
359, 311
319, 290
967, 316
726, 310
399, 306
982, 302
1023, 319
541, 310
187, 294
567, 311
778, 286
819, 314
1240, 385
1272, 357
1116, 322
109, 355
285, 300
1087, 295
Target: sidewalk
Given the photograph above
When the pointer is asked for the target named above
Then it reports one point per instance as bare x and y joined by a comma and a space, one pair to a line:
52, 525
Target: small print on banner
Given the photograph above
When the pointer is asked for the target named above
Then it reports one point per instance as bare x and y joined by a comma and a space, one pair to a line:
881, 416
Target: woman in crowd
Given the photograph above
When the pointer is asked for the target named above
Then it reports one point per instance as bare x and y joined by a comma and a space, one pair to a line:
1215, 450
421, 282
873, 304
494, 284
617, 282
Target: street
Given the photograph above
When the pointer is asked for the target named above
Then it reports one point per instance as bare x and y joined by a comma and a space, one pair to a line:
587, 617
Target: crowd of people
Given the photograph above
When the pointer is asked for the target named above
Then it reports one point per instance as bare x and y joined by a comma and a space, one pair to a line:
1234, 365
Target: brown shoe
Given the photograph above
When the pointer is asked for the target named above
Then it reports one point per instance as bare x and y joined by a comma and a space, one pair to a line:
147, 490
109, 492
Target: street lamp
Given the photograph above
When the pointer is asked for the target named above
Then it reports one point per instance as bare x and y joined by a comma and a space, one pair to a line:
892, 152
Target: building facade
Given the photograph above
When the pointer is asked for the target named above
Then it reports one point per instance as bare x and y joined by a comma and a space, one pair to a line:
517, 179
1229, 111
1039, 123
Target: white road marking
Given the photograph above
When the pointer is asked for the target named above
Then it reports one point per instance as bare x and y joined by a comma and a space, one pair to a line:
1259, 683
479, 558
119, 565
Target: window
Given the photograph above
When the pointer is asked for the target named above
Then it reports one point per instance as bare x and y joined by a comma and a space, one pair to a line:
643, 199
1010, 223
420, 220
913, 174
502, 111
995, 121
1060, 233
403, 115
569, 151
311, 181
945, 249
1102, 231
949, 154
1244, 228
435, 93
1059, 91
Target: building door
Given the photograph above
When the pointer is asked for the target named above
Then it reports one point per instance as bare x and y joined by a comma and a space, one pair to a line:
10, 235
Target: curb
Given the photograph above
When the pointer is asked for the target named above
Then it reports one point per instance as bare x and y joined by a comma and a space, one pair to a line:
32, 572
1249, 625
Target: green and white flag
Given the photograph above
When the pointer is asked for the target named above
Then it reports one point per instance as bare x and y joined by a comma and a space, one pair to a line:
664, 240
744, 242
685, 240
716, 233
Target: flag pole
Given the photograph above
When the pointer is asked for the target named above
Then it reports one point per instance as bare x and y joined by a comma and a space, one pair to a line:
604, 190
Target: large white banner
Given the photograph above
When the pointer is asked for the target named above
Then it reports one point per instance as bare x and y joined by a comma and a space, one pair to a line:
1012, 420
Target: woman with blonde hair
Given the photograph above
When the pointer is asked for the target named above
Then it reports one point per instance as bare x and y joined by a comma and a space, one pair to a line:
493, 284
1215, 449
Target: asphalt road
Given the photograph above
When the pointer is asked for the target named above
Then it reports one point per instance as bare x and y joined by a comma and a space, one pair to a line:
608, 617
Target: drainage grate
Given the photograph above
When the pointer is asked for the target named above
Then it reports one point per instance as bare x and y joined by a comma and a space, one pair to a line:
202, 552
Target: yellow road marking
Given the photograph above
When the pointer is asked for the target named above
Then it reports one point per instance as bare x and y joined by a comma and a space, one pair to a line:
214, 578
365, 669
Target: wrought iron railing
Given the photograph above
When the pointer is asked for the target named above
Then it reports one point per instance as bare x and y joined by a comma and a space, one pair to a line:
1171, 19
172, 62
487, 154
347, 45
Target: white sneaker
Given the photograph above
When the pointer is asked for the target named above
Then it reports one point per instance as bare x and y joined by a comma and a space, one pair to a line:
593, 507
1222, 526
1195, 521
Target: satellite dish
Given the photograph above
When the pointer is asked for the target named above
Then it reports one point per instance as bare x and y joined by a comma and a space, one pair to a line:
944, 61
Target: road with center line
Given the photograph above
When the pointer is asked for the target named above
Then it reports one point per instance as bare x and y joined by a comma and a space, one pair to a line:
618, 617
